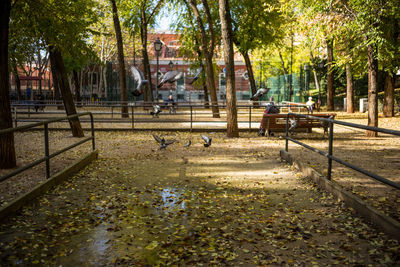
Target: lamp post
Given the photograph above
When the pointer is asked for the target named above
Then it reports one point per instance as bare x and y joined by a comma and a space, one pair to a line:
157, 46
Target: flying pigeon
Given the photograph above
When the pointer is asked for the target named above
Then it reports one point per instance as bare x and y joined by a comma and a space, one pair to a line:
260, 92
293, 125
139, 81
163, 143
156, 110
207, 140
197, 76
188, 144
170, 77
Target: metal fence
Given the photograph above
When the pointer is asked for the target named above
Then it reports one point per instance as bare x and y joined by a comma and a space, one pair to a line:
329, 154
180, 116
47, 155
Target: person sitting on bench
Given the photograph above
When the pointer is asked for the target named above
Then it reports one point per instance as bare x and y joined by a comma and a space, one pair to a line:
310, 105
269, 109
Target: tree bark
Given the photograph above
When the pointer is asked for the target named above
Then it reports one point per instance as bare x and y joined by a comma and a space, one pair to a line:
60, 80
7, 149
208, 51
148, 92
330, 80
121, 61
388, 102
232, 129
372, 90
350, 89
77, 86
252, 81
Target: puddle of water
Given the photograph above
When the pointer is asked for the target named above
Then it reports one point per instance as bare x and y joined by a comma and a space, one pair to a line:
172, 199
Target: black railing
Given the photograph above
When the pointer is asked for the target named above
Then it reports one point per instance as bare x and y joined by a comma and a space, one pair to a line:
330, 148
47, 154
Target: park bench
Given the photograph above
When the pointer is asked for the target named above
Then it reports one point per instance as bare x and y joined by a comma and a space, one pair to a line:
277, 123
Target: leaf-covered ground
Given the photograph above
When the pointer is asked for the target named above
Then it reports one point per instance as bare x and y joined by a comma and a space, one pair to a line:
233, 204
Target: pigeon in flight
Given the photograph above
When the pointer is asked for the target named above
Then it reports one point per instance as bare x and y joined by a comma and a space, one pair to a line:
260, 92
170, 77
156, 110
188, 144
163, 143
197, 76
139, 81
207, 140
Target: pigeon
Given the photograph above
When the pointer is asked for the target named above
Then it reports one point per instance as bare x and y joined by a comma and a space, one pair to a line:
325, 124
260, 92
293, 125
188, 144
139, 81
156, 110
163, 143
207, 140
197, 76
170, 77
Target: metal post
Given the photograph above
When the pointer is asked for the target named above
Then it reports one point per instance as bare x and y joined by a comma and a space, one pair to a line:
29, 111
157, 78
46, 149
330, 149
15, 116
249, 118
191, 118
287, 133
133, 119
112, 112
92, 129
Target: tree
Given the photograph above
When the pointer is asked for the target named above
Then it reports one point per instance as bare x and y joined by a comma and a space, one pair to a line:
7, 150
140, 15
227, 37
121, 61
207, 48
330, 81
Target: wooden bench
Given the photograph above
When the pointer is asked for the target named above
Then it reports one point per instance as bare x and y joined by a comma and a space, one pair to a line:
277, 122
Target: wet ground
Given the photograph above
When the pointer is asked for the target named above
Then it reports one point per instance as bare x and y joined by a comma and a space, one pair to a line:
233, 203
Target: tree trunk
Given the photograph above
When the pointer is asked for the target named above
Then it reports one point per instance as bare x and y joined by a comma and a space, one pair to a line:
7, 149
284, 72
350, 89
388, 102
232, 129
250, 72
61, 81
121, 61
77, 86
316, 80
17, 81
330, 86
208, 52
148, 92
372, 90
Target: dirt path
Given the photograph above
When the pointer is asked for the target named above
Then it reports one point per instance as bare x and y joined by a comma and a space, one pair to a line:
233, 203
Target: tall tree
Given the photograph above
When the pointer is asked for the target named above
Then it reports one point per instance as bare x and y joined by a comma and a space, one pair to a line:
121, 61
140, 15
7, 150
232, 129
330, 81
207, 47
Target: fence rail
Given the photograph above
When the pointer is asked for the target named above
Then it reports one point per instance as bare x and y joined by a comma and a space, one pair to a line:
48, 156
329, 154
187, 114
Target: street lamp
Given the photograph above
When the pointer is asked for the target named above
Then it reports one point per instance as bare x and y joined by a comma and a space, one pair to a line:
157, 46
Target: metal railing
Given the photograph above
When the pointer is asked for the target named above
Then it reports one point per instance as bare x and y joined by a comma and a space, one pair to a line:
329, 154
47, 155
139, 113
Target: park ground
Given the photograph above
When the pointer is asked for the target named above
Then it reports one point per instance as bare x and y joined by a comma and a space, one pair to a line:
233, 203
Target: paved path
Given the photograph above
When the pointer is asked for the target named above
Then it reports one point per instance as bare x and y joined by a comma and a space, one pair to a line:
231, 204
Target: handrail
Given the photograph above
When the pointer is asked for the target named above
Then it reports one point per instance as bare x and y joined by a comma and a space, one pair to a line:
330, 148
48, 156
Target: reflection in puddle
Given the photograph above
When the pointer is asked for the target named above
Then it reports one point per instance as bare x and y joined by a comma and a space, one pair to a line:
172, 199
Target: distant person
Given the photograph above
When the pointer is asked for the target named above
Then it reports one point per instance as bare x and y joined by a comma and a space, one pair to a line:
171, 103
310, 105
